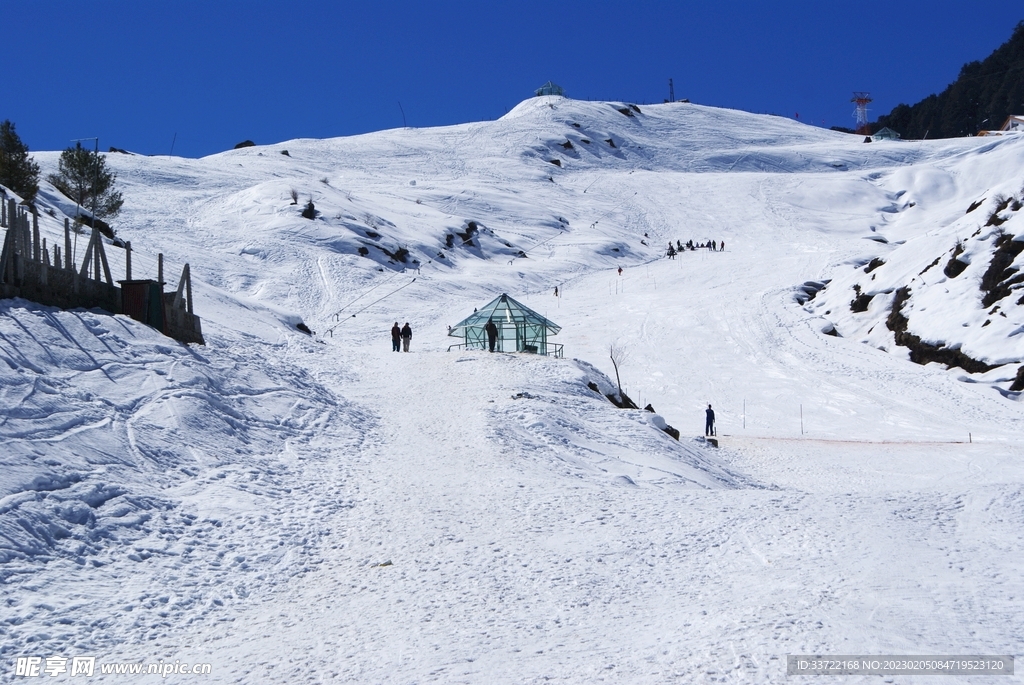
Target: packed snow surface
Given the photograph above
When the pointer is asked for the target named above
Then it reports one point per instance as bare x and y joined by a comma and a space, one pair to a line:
294, 508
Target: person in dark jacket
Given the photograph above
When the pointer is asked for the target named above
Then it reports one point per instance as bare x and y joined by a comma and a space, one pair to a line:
406, 336
709, 425
492, 333
396, 337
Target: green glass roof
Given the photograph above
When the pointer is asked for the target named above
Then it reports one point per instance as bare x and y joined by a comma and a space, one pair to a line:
503, 309
550, 88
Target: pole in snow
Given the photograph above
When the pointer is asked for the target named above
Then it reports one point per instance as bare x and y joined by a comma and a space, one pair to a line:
801, 419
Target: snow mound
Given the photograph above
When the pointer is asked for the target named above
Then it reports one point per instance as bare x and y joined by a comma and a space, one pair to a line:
126, 453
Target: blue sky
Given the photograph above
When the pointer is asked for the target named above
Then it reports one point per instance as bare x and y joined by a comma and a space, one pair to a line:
206, 75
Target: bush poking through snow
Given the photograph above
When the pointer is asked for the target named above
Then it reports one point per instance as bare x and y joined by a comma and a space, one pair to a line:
310, 211
467, 236
861, 301
1018, 382
994, 219
245, 143
955, 267
295, 196
398, 255
874, 264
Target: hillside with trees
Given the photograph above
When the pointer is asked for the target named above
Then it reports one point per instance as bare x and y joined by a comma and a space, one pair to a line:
984, 94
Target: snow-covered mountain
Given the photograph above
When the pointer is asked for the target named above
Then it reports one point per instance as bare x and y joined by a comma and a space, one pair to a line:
306, 508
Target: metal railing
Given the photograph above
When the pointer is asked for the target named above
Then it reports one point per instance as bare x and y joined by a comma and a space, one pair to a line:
554, 349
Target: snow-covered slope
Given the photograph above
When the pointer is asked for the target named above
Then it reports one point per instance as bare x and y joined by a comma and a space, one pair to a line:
296, 508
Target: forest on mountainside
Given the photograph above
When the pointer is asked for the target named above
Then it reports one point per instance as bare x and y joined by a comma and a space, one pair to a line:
981, 98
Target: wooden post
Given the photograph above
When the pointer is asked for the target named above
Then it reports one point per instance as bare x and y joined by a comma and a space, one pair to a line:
26, 237
56, 256
178, 303
102, 252
95, 254
160, 272
188, 288
6, 255
35, 238
128, 261
67, 246
84, 273
3, 215
45, 261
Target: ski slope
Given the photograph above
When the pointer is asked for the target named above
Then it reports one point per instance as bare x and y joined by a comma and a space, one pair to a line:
293, 508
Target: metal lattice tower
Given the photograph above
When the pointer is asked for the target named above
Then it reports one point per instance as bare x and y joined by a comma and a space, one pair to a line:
862, 99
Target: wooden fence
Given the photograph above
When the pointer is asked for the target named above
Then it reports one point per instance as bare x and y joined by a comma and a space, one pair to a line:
26, 271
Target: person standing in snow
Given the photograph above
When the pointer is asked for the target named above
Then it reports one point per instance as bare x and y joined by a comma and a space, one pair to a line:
709, 425
396, 337
721, 248
492, 333
406, 336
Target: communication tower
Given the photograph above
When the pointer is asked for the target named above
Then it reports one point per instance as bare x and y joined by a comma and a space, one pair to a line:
862, 99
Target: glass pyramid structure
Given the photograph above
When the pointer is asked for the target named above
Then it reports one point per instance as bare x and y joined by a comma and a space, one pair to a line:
520, 329
550, 88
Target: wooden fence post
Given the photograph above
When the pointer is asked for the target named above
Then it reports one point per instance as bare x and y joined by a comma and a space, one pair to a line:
35, 238
188, 288
96, 254
67, 247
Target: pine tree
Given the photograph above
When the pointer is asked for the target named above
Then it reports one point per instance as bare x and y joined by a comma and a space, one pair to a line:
82, 175
17, 170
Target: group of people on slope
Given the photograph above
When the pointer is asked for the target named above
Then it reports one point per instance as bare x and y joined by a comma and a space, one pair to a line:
400, 337
712, 245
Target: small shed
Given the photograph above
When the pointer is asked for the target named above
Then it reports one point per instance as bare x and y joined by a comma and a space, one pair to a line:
550, 88
885, 134
520, 329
